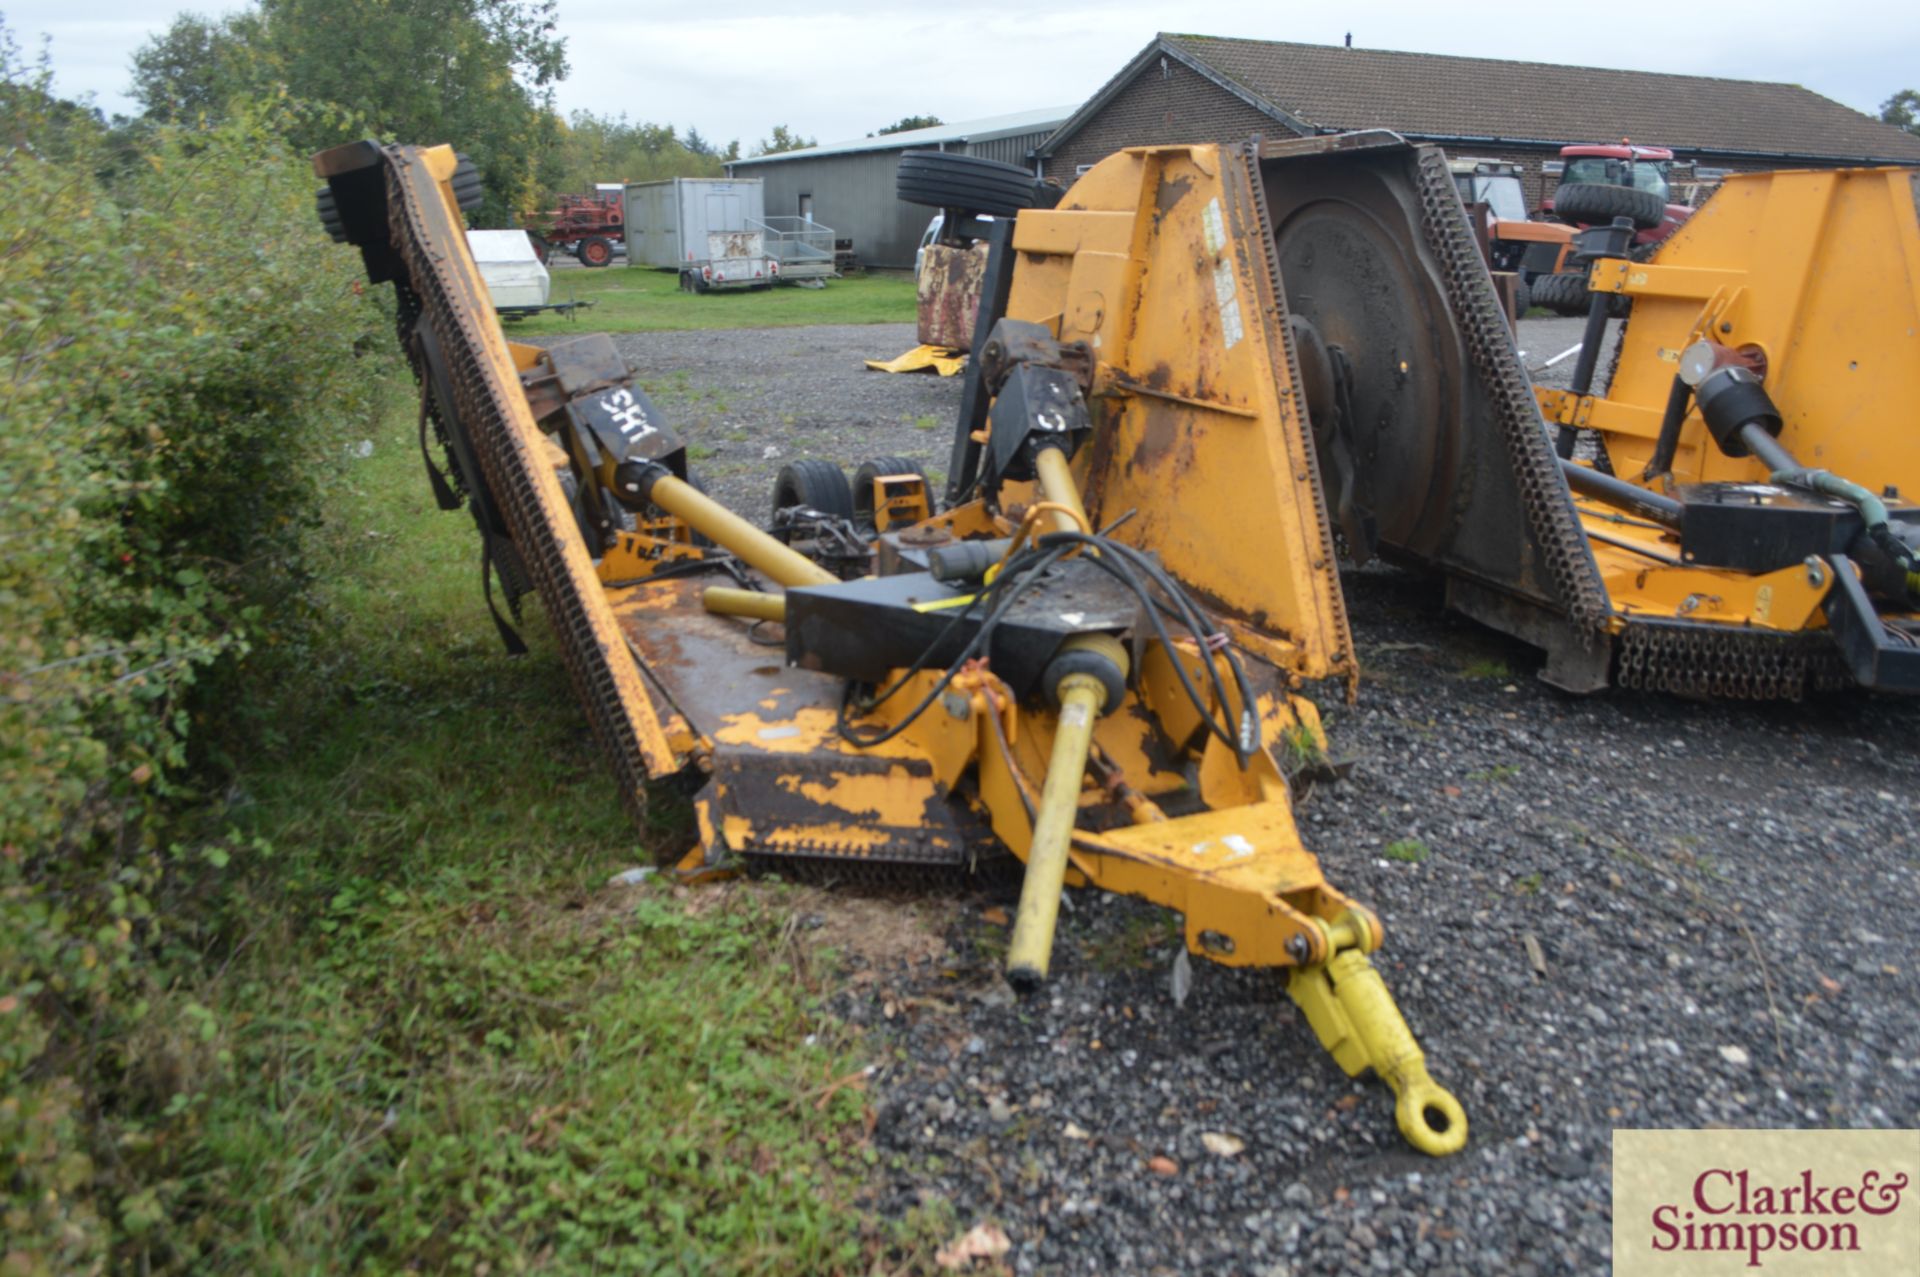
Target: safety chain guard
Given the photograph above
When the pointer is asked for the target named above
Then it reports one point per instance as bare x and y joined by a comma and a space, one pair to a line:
1555, 525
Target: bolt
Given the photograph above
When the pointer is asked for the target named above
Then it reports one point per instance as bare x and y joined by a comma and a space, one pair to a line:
1815, 573
1298, 949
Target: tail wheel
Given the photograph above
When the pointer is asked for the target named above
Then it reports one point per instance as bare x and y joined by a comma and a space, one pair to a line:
818, 485
863, 508
595, 250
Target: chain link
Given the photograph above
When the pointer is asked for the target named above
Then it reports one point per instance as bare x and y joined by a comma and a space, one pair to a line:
1543, 491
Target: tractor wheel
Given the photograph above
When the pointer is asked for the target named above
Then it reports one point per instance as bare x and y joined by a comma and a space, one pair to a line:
1567, 294
595, 251
1595, 203
1563, 294
1522, 297
818, 485
869, 471
941, 180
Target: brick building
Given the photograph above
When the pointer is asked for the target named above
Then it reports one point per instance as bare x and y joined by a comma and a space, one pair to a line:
1191, 88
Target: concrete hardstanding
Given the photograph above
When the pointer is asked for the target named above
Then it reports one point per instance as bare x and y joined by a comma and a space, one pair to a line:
668, 222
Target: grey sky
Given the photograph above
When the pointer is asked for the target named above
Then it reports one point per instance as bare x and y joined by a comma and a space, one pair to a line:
838, 69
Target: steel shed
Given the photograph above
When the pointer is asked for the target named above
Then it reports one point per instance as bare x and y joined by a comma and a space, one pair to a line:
849, 185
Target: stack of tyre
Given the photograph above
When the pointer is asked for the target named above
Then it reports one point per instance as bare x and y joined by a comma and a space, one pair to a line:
1595, 204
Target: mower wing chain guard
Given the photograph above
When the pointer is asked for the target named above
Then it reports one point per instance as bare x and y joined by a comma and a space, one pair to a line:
425, 253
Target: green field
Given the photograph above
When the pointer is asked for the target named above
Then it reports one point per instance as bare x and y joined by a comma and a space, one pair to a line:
636, 299
447, 1043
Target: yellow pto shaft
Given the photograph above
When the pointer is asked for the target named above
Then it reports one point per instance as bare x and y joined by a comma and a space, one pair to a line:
1089, 668
1057, 486
731, 532
724, 600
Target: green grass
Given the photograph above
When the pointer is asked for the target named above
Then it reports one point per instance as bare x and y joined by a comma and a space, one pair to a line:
632, 299
1134, 944
444, 1042
1409, 851
1488, 667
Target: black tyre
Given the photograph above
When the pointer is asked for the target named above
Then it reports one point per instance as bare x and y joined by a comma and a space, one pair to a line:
467, 186
1522, 297
1563, 294
1597, 204
863, 483
329, 210
818, 485
940, 180
1566, 294
595, 250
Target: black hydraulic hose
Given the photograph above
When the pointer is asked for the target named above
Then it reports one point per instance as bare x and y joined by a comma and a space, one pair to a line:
1129, 567
1679, 399
1621, 495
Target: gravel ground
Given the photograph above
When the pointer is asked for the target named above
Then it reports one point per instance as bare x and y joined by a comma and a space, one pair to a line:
750, 400
1723, 898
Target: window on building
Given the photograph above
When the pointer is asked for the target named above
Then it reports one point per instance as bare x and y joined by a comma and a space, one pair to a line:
1081, 170
806, 205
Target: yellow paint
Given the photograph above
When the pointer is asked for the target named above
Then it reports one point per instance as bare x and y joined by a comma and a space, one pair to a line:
1199, 430
898, 798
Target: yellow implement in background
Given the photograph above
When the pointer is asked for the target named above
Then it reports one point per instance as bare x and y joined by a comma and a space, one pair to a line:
945, 362
1744, 524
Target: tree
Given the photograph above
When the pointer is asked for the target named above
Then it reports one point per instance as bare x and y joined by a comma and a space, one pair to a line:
1902, 110
194, 69
910, 122
782, 139
476, 73
593, 148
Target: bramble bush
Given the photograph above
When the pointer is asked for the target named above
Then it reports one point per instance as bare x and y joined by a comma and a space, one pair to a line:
179, 378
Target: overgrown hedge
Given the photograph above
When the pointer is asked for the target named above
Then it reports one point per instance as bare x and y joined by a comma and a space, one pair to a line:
178, 382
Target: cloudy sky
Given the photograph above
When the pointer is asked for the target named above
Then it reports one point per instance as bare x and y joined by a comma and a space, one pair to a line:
837, 69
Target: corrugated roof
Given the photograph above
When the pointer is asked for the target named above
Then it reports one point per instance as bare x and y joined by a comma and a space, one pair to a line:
1441, 96
996, 126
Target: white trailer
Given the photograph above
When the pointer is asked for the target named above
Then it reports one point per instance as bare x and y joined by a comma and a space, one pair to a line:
707, 229
507, 261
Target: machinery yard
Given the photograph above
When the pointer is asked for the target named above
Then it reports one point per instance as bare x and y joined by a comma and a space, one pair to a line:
690, 649
1722, 898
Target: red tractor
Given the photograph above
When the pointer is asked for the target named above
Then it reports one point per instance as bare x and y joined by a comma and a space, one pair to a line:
1602, 181
588, 226
1605, 180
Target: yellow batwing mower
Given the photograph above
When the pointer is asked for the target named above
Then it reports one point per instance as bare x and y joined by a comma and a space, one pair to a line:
1733, 522
1085, 661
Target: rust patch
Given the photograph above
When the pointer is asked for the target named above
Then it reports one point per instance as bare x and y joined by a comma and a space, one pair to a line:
1159, 439
949, 294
